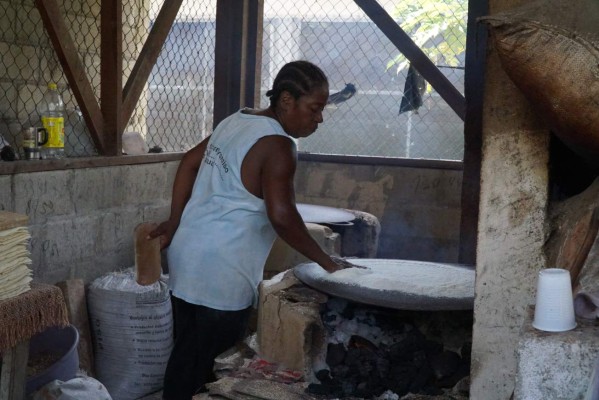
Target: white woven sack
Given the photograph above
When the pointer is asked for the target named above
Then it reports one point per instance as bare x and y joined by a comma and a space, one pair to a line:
132, 332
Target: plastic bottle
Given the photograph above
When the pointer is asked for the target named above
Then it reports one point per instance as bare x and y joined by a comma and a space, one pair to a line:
51, 110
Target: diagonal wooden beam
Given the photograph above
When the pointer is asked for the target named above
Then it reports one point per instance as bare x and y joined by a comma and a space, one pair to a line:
412, 52
148, 56
73, 68
111, 75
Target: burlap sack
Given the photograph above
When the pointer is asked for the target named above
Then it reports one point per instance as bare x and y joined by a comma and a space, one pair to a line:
558, 72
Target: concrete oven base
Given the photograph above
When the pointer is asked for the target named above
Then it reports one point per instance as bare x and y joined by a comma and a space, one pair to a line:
556, 365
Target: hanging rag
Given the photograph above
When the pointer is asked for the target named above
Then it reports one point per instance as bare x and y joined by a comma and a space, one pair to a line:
414, 88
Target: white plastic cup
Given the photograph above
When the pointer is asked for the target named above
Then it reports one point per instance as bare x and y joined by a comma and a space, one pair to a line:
554, 310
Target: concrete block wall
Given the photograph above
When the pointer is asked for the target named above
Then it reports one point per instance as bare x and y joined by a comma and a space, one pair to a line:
556, 365
82, 220
418, 208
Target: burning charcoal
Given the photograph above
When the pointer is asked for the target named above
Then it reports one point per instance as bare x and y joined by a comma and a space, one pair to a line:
364, 390
361, 342
403, 350
399, 378
324, 376
432, 348
431, 391
461, 372
422, 379
325, 390
352, 357
445, 364
348, 388
382, 367
335, 354
340, 371
465, 351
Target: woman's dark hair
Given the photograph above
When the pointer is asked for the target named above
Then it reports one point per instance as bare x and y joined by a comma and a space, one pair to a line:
298, 78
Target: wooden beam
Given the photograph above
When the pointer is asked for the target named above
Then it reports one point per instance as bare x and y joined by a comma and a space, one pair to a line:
476, 50
236, 49
111, 75
417, 58
253, 55
73, 68
148, 56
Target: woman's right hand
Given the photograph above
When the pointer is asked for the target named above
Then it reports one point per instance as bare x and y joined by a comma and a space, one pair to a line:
338, 263
166, 230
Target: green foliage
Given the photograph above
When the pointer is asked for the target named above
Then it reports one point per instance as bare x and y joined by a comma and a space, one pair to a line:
438, 27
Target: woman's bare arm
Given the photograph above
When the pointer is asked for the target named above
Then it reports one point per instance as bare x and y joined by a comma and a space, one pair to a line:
182, 188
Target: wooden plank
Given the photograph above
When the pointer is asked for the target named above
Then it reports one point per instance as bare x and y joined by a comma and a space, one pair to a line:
73, 68
9, 220
412, 52
20, 167
148, 56
111, 72
14, 370
476, 50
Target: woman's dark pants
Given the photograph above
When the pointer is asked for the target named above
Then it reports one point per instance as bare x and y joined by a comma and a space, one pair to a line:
201, 334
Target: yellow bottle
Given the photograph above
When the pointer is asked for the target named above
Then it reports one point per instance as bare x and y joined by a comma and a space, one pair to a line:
51, 111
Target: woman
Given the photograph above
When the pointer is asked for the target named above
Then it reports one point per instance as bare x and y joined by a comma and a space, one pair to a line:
233, 193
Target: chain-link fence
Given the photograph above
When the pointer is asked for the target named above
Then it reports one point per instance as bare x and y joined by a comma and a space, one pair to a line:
378, 111
382, 107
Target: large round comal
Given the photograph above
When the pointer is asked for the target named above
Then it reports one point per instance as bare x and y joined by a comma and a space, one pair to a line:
399, 284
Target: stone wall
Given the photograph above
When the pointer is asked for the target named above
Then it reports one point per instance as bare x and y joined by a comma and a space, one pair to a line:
82, 220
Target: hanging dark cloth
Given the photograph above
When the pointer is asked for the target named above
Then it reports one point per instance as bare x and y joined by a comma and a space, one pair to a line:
414, 88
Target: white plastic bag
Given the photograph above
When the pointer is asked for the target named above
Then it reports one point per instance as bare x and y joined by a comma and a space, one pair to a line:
80, 388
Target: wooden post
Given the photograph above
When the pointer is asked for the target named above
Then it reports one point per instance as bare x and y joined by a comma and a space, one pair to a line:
238, 38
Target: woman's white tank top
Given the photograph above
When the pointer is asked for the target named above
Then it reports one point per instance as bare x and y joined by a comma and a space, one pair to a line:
217, 256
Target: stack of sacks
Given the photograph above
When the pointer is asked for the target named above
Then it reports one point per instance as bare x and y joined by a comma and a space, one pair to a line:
15, 275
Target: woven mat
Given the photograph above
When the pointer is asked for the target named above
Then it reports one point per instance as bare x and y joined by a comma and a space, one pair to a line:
31, 312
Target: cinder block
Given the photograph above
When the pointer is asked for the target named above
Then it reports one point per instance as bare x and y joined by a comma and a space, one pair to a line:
145, 183
290, 330
556, 365
94, 189
42, 195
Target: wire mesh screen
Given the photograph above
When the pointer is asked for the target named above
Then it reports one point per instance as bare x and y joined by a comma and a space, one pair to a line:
28, 63
174, 111
379, 105
180, 89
